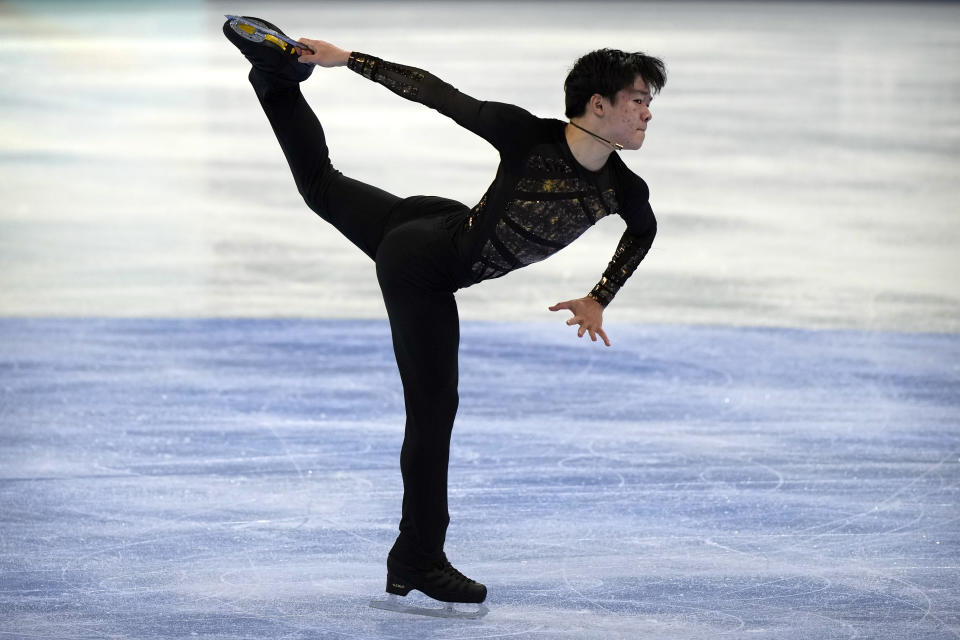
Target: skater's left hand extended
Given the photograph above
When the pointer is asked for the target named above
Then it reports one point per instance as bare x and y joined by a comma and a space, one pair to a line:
588, 313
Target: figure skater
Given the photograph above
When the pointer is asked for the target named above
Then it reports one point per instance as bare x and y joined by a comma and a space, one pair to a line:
555, 180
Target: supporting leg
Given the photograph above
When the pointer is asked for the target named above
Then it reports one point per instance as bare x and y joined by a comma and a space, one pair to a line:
426, 336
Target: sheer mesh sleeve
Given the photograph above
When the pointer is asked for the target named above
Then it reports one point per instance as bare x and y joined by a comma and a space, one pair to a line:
402, 80
496, 122
630, 252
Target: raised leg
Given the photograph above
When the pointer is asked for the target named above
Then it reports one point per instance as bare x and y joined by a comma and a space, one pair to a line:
361, 212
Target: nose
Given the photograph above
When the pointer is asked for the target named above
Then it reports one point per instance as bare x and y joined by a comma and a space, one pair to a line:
647, 114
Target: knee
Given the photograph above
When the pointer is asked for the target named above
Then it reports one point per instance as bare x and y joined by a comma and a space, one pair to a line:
445, 402
435, 416
448, 400
314, 185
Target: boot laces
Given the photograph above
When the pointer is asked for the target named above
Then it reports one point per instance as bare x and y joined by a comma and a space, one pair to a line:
451, 573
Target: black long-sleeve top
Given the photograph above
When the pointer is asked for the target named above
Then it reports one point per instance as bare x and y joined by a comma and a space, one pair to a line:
541, 199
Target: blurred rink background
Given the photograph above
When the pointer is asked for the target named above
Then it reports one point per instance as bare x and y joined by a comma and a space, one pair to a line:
802, 160
201, 417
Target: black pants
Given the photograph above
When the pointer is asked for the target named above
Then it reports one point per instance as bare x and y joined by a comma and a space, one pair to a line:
419, 266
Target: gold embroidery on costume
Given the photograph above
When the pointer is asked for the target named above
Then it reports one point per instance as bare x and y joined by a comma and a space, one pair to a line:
547, 213
550, 205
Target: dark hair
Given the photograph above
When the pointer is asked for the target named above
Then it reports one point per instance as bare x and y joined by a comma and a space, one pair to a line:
607, 71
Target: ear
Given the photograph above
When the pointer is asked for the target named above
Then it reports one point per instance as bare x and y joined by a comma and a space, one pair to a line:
596, 104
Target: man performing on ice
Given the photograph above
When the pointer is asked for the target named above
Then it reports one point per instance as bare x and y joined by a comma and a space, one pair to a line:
555, 180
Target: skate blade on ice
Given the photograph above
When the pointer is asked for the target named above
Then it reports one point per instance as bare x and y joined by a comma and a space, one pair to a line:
445, 610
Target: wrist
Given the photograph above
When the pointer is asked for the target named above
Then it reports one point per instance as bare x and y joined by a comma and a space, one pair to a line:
364, 64
602, 293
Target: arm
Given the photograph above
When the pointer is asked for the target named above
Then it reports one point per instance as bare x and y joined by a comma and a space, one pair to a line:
634, 244
496, 122
633, 247
630, 252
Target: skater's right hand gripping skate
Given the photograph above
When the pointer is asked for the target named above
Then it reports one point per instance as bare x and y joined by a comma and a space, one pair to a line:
324, 54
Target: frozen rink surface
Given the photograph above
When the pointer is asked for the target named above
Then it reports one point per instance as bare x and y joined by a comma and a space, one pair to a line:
712, 475
802, 158
239, 479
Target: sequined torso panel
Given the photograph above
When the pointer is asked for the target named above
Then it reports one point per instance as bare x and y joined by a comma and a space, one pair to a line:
550, 207
542, 199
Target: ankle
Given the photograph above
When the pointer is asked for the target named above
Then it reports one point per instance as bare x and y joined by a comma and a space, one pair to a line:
407, 550
267, 85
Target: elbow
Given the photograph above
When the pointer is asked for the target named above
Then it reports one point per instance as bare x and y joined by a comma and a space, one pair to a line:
649, 231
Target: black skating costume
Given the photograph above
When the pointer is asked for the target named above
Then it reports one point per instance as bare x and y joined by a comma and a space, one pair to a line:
426, 247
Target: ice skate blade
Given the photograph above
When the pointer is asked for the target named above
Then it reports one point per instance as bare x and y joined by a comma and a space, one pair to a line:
258, 33
447, 610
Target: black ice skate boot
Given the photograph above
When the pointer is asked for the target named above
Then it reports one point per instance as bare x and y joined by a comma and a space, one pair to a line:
264, 45
438, 579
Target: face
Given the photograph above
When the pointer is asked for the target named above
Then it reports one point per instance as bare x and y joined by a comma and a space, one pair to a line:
626, 119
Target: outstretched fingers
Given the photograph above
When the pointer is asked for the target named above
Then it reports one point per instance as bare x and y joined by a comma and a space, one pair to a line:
594, 332
603, 334
587, 316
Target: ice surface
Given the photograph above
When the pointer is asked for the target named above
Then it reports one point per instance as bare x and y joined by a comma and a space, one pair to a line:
239, 478
178, 478
802, 159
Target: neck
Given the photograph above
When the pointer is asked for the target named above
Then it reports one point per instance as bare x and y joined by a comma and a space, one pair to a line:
588, 148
